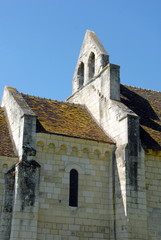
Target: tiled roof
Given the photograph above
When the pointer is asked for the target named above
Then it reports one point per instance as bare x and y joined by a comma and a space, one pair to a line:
147, 105
74, 120
6, 147
65, 119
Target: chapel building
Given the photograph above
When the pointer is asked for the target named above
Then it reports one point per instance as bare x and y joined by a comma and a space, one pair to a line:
88, 168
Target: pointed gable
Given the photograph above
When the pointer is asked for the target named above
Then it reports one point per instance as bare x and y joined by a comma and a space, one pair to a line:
92, 59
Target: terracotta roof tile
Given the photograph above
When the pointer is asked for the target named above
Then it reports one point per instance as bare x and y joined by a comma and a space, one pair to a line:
6, 147
65, 119
147, 105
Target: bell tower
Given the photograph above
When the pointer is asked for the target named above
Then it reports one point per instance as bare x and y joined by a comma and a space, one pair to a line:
96, 84
92, 59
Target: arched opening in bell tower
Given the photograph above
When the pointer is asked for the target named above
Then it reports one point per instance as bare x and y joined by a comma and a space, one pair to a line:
80, 75
91, 65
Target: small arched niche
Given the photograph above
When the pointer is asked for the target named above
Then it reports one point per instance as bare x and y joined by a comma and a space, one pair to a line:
74, 150
80, 75
40, 145
63, 148
51, 147
91, 65
97, 153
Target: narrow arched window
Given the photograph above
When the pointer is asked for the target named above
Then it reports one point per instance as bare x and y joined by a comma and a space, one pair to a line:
73, 188
80, 75
91, 65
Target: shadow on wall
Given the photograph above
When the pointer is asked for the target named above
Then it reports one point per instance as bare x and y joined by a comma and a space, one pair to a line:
143, 104
121, 226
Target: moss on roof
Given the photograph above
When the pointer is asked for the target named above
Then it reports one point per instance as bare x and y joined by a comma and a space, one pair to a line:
6, 147
147, 105
65, 119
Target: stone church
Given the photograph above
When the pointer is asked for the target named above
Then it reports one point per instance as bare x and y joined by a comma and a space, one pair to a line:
85, 169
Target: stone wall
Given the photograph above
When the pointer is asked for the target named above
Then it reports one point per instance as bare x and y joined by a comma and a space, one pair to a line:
6, 196
20, 206
93, 217
26, 202
153, 189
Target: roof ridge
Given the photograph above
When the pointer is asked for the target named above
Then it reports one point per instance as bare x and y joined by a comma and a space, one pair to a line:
141, 88
49, 99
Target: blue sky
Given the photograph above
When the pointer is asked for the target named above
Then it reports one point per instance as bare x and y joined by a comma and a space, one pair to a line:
40, 42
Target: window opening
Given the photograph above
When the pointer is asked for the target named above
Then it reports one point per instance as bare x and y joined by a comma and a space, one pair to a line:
91, 65
73, 190
80, 75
